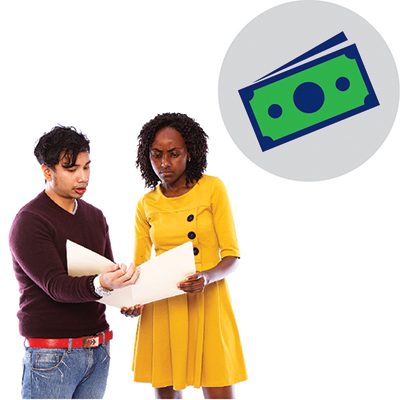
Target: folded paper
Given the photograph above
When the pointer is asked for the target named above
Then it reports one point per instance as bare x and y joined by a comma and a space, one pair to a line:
158, 276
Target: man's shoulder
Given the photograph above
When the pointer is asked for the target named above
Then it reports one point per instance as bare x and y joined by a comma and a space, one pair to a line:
34, 206
89, 208
30, 215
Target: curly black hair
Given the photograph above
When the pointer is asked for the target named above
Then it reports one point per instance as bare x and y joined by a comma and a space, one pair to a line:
61, 140
195, 140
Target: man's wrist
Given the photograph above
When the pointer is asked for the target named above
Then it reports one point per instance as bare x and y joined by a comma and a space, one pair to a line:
98, 290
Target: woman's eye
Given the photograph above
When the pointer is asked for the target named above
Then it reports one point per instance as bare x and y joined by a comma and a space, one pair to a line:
175, 155
155, 155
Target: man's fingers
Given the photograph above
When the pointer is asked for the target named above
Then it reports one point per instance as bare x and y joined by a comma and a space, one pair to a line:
129, 278
135, 275
118, 276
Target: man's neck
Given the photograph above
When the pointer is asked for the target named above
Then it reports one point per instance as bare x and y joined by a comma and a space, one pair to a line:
66, 204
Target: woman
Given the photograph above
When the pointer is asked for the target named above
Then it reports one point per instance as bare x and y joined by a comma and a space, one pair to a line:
190, 339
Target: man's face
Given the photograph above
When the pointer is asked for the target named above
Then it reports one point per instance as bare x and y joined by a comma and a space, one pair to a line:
69, 183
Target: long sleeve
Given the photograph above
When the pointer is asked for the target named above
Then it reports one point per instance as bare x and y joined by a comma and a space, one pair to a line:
33, 249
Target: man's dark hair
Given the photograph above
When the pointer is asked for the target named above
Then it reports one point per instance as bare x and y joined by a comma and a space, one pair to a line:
63, 141
195, 139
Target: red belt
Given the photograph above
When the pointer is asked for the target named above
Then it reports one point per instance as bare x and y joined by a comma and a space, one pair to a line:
85, 342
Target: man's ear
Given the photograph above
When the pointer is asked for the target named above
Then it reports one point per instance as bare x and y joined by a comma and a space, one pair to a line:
47, 173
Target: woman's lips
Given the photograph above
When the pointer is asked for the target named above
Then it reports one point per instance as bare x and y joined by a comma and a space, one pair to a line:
166, 173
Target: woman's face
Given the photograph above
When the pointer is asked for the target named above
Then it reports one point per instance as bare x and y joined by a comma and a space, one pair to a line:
168, 157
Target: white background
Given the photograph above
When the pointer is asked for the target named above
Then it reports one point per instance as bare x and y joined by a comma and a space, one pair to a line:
316, 295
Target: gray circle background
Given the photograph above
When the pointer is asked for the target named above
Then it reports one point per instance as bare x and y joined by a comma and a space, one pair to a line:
281, 34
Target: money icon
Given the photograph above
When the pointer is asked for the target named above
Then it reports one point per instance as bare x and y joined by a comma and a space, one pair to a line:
310, 96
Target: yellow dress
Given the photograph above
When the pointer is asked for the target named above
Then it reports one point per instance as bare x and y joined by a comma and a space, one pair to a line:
191, 339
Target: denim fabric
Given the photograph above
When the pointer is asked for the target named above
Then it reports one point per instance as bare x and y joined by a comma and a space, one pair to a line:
65, 374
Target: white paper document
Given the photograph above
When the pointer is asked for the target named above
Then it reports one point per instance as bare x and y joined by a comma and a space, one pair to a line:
158, 276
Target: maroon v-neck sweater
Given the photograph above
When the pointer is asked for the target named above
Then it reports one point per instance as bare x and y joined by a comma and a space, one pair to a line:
53, 304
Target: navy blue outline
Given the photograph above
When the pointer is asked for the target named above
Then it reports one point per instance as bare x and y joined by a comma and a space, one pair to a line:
266, 142
332, 42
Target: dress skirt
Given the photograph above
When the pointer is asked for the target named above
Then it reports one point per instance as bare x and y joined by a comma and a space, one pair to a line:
189, 340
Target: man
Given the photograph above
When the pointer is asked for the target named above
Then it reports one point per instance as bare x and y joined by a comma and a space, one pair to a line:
67, 335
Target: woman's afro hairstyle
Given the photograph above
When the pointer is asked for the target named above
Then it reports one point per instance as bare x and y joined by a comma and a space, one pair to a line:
195, 139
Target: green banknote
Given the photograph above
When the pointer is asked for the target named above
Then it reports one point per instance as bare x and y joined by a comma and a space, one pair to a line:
309, 97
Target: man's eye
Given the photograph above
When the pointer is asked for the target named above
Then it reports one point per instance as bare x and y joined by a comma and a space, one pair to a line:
72, 170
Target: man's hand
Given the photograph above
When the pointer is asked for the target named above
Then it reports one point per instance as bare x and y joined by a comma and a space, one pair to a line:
118, 276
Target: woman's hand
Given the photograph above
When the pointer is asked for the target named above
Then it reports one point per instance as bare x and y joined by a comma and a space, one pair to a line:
132, 311
197, 282
194, 283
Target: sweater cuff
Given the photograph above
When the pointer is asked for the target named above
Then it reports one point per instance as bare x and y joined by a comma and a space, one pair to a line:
92, 288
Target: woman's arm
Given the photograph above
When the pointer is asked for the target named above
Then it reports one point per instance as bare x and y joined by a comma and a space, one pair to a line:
197, 282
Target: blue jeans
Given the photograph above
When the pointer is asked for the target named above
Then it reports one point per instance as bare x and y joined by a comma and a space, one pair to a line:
75, 373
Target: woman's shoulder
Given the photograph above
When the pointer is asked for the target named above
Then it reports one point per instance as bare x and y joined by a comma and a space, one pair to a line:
212, 188
151, 195
212, 181
212, 184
